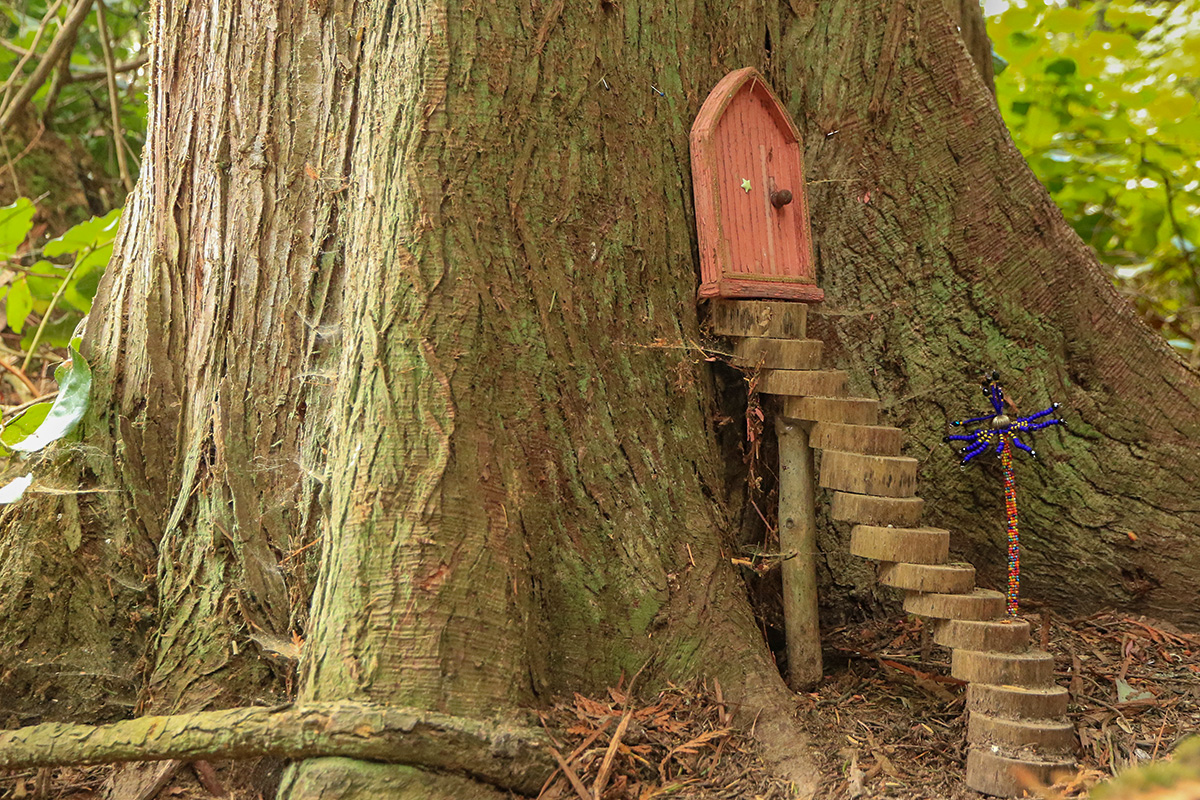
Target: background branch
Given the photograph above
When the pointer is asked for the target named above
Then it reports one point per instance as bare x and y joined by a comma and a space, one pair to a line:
27, 54
59, 48
114, 102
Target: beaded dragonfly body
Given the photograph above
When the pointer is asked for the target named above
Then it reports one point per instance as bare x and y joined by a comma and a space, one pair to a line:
999, 432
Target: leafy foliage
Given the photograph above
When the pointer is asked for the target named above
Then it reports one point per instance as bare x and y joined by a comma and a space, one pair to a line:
56, 295
50, 422
45, 303
72, 138
24, 424
1101, 98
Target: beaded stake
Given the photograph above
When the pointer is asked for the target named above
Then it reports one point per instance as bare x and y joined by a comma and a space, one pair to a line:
1014, 537
999, 432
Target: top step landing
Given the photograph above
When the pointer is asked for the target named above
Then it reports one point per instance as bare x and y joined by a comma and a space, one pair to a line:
766, 319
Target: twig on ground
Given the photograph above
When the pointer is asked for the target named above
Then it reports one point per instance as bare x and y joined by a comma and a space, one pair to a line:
610, 754
584, 745
576, 784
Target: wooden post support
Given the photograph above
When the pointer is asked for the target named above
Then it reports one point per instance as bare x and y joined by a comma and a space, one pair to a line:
798, 543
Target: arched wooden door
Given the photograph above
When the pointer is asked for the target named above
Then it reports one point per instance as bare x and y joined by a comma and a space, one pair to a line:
751, 207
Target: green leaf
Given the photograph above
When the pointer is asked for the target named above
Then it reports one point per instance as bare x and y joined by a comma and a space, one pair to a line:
1136, 18
26, 423
1061, 66
1018, 17
80, 293
56, 333
1114, 45
1127, 694
20, 303
93, 258
15, 222
44, 288
1065, 18
74, 391
1021, 39
95, 232
1171, 106
1040, 126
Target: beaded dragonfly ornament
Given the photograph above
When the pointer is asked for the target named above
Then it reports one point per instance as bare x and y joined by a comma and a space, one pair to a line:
999, 432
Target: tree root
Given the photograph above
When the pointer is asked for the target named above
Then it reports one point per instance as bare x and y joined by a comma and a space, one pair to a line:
762, 704
504, 756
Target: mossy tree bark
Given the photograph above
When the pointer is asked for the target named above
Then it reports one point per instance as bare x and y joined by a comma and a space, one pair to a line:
411, 285
943, 258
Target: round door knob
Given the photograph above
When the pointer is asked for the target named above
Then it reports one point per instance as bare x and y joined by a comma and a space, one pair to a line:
781, 197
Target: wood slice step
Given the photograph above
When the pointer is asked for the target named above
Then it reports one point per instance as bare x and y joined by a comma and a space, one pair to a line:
979, 604
907, 545
803, 382
996, 774
1031, 668
850, 410
778, 353
872, 440
1013, 735
868, 509
1006, 635
768, 319
888, 476
1017, 702
948, 578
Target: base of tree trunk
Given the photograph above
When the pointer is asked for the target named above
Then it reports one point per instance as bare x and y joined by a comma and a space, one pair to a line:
351, 779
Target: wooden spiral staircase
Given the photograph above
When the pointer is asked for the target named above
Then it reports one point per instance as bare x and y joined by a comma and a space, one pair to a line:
1016, 727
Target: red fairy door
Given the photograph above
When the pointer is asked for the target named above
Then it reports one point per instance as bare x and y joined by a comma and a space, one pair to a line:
751, 208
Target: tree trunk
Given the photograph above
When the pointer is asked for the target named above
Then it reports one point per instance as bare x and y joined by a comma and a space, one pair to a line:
406, 296
943, 258
968, 16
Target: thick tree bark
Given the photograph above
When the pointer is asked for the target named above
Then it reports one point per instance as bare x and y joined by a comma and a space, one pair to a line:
385, 302
516, 510
943, 258
968, 16
406, 291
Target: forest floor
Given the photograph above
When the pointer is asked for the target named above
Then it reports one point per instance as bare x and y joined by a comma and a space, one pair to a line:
896, 725
886, 722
